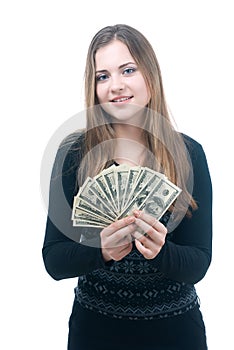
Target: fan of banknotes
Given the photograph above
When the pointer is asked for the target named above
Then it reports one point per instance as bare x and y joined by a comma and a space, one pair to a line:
120, 189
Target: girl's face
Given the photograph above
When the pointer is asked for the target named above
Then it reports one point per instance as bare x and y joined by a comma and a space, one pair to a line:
120, 86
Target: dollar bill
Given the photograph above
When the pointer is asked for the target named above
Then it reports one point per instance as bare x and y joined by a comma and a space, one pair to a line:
133, 174
160, 199
121, 177
107, 182
85, 223
145, 175
141, 192
117, 191
90, 216
90, 194
82, 206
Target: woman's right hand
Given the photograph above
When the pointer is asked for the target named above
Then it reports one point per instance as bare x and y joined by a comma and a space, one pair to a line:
116, 239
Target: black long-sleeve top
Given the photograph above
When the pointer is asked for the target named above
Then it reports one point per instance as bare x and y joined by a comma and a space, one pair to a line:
158, 284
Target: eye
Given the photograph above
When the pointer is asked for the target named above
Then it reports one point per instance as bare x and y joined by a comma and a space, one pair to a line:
101, 77
129, 70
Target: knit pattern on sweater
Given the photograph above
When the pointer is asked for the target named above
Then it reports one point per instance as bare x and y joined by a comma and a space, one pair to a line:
132, 288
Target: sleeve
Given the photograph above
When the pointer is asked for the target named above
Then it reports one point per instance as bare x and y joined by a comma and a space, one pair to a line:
187, 256
63, 255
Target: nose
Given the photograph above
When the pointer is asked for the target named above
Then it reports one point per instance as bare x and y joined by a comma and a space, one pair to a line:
117, 83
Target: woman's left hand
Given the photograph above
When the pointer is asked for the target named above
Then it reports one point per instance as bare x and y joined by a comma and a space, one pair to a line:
150, 234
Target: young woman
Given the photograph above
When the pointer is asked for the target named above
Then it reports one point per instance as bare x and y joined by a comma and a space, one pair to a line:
135, 291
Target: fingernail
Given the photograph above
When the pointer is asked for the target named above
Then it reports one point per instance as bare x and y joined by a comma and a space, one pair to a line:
137, 213
130, 219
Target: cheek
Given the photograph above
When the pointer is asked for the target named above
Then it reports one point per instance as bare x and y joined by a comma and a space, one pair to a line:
143, 90
101, 93
147, 95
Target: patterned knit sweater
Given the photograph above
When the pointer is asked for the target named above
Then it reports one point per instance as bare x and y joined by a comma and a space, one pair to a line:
133, 288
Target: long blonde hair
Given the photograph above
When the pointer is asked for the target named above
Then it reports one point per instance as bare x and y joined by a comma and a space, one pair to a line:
166, 144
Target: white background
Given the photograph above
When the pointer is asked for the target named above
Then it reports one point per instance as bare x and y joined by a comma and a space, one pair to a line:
43, 50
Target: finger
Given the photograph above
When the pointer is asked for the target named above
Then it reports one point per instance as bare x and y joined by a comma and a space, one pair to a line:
121, 237
149, 219
117, 225
145, 229
123, 252
144, 250
124, 235
137, 234
146, 234
125, 247
145, 240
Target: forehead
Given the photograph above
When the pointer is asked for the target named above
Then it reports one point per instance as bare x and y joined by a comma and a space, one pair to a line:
111, 55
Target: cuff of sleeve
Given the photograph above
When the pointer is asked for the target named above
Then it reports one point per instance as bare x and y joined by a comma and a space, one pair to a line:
103, 262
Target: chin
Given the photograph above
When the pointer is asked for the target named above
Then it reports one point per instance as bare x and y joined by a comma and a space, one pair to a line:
124, 113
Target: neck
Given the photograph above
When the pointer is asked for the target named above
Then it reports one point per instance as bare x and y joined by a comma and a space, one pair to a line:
129, 132
129, 151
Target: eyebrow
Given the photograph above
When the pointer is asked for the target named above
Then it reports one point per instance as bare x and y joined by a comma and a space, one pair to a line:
121, 66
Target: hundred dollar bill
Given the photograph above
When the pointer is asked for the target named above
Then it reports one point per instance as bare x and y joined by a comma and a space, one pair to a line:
121, 176
141, 193
91, 195
83, 206
85, 216
99, 192
133, 174
140, 183
117, 191
107, 181
86, 223
160, 199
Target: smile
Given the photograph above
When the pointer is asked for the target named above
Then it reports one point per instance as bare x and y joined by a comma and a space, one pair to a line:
121, 99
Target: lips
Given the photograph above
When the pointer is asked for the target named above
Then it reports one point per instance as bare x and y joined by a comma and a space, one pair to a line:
121, 99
